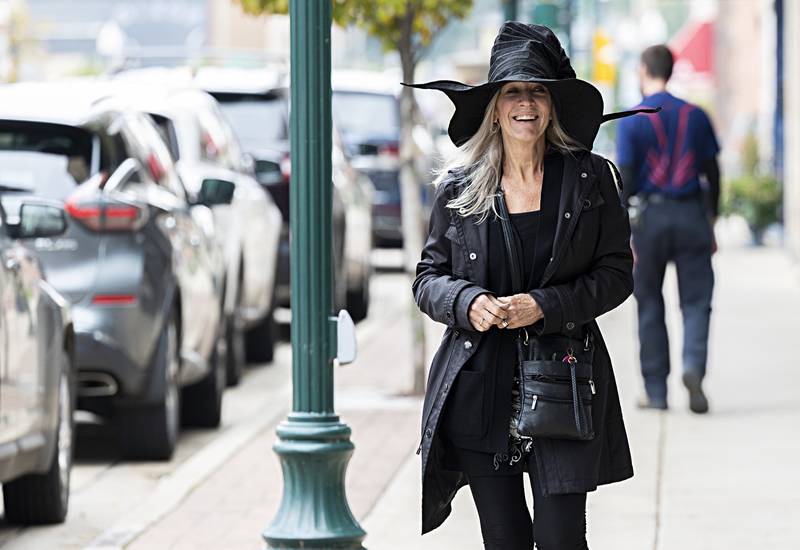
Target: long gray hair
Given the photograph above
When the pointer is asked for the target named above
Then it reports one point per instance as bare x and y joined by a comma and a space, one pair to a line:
482, 156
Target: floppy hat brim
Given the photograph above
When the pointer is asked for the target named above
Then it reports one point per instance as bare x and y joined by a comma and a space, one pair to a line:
579, 105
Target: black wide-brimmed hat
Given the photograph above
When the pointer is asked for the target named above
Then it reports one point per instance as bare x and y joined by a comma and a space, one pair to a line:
528, 53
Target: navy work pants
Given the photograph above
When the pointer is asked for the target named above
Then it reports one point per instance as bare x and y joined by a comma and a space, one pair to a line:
672, 231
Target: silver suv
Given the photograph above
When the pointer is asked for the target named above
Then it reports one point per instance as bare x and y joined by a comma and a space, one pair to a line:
37, 380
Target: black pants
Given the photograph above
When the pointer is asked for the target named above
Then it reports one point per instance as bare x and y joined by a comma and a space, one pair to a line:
559, 520
679, 232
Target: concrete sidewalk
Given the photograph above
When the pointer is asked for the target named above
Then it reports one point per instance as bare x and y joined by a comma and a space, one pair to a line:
722, 481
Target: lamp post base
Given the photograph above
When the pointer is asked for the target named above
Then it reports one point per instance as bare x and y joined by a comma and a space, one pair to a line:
314, 450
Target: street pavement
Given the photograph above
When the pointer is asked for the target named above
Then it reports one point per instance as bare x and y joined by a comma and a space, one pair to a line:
720, 481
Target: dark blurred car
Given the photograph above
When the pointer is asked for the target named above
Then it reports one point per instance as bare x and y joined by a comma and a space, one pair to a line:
256, 103
366, 110
137, 262
37, 393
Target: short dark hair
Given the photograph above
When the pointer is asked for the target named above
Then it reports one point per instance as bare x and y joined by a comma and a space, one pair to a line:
658, 61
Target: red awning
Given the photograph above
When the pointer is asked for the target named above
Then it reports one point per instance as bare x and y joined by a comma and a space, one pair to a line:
694, 45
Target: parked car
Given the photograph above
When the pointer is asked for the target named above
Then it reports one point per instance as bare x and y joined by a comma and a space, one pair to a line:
212, 167
256, 104
37, 381
360, 100
138, 261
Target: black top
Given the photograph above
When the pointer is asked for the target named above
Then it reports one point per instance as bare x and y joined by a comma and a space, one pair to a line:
477, 413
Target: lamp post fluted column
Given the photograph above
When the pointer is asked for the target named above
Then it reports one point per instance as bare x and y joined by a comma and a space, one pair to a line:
313, 446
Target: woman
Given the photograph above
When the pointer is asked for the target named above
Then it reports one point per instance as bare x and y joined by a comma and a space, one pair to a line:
527, 134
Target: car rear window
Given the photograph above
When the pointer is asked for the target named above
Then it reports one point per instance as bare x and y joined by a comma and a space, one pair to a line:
257, 119
45, 159
365, 114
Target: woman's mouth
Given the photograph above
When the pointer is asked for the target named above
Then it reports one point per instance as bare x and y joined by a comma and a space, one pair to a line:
525, 118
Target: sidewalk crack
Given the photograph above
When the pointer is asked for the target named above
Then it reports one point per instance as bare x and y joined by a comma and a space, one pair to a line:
662, 445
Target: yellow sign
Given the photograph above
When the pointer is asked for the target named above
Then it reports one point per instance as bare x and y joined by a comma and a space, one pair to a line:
603, 67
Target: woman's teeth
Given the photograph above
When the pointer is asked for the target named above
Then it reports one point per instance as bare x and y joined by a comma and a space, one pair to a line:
525, 118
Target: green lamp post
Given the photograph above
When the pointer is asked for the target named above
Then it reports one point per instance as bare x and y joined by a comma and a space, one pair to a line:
510, 10
313, 446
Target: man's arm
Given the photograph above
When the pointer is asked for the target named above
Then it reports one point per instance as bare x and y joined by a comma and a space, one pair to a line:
710, 169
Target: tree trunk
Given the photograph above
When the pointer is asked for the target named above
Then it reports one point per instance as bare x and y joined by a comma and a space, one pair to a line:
411, 205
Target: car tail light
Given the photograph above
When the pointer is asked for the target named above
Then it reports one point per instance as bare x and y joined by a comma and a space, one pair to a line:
113, 299
88, 214
102, 215
389, 150
155, 166
286, 168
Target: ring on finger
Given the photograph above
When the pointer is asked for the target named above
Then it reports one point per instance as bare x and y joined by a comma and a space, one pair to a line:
504, 324
482, 321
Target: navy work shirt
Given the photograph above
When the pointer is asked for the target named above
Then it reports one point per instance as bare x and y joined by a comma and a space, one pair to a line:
665, 151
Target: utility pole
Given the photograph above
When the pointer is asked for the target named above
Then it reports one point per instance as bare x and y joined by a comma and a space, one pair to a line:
313, 446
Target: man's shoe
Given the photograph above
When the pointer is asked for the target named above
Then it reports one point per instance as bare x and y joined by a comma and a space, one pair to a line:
645, 402
697, 399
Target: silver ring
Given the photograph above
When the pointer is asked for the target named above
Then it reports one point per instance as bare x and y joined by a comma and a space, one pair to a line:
482, 320
504, 324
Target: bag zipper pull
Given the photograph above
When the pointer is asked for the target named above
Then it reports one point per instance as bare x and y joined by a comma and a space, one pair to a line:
535, 399
591, 385
569, 357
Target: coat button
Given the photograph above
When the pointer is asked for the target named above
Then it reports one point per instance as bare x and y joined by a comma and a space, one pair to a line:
567, 215
467, 345
587, 203
449, 314
584, 175
428, 433
445, 387
570, 325
472, 256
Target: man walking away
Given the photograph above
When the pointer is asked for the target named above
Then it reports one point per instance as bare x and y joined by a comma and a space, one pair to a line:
671, 182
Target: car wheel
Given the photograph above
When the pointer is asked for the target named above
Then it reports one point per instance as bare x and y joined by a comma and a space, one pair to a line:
202, 402
44, 498
235, 348
260, 339
151, 432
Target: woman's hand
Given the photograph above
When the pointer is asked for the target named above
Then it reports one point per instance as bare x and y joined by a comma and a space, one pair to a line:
485, 311
522, 310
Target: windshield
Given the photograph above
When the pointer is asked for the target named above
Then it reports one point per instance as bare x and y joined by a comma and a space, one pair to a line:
44, 159
366, 114
48, 175
257, 122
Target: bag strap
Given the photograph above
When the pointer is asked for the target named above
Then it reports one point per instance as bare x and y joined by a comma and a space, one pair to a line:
511, 248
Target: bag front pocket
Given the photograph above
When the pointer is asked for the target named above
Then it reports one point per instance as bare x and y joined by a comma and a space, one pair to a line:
549, 405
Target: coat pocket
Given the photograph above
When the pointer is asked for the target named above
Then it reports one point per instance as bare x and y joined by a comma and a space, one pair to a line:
465, 415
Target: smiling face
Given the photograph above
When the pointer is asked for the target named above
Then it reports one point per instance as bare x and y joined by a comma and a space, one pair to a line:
523, 111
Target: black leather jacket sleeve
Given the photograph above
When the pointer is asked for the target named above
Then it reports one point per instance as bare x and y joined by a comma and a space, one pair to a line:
608, 281
438, 293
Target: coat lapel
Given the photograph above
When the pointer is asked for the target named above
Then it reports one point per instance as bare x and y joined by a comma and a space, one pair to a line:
574, 187
476, 240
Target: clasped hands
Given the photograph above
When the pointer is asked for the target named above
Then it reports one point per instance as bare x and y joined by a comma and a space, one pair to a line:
519, 310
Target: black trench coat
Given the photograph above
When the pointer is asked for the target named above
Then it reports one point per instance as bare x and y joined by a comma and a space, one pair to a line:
589, 274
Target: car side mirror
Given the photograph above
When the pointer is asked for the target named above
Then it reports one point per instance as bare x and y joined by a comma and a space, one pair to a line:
248, 163
40, 220
214, 192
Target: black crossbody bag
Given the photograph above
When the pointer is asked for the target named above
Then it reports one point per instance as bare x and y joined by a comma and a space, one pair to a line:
554, 372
